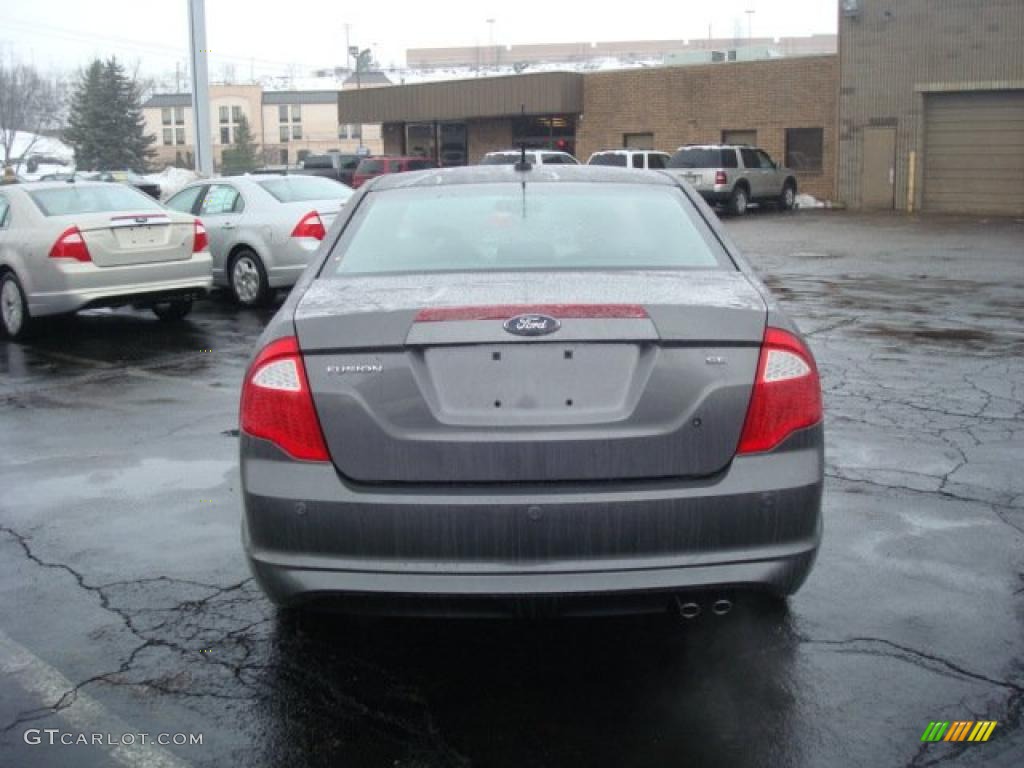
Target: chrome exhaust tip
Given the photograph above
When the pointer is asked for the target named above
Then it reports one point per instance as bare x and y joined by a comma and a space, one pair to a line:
721, 607
688, 610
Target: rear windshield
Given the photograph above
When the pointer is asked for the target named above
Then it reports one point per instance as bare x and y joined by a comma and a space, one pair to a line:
695, 157
100, 198
608, 158
508, 226
293, 189
504, 158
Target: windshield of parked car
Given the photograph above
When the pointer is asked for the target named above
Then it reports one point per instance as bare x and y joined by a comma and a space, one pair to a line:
696, 157
72, 199
608, 158
510, 226
293, 189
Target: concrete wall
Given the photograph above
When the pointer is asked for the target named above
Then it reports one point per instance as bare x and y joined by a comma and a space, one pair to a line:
684, 105
893, 53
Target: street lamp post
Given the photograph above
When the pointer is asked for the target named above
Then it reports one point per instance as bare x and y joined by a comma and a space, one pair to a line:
199, 54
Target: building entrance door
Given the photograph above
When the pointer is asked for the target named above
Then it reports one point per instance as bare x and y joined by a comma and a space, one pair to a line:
878, 169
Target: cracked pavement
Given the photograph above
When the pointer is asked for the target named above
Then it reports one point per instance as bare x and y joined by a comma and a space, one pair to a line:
121, 568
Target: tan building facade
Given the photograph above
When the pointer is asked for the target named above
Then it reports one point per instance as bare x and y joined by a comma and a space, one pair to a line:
931, 105
498, 55
285, 125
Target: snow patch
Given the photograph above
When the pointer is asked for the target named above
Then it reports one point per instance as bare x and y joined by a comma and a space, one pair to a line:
807, 201
171, 180
44, 145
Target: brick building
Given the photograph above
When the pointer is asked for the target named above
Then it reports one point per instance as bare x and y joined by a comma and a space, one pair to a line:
788, 106
931, 105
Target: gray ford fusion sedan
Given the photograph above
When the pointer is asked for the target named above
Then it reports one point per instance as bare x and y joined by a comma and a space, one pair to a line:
498, 387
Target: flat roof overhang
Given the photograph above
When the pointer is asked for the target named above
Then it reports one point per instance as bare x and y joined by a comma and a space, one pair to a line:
542, 93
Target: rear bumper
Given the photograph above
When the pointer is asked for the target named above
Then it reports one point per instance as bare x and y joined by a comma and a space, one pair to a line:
308, 534
80, 286
720, 195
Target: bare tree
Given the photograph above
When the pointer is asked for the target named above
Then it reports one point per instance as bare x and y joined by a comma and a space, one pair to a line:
29, 103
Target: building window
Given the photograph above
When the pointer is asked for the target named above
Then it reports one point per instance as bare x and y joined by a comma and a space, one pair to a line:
179, 135
236, 114
282, 113
804, 149
165, 115
740, 136
225, 135
179, 115
223, 114
296, 113
284, 157
296, 131
168, 136
638, 140
285, 134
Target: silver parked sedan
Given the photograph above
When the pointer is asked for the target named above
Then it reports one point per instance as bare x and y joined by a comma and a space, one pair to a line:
500, 384
71, 245
263, 228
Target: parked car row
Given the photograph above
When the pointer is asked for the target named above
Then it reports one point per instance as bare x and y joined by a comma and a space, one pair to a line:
729, 175
72, 245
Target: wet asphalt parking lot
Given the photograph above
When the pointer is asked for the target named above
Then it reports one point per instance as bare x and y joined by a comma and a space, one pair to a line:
126, 607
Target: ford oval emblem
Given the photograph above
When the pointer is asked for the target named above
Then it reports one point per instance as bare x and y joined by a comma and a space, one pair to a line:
532, 325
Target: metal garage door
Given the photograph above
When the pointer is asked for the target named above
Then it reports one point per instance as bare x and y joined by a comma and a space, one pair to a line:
974, 152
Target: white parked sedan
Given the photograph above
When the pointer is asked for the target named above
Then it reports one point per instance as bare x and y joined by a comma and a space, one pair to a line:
71, 245
263, 228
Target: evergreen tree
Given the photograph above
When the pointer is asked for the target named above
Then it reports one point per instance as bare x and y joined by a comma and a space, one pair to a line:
106, 127
241, 158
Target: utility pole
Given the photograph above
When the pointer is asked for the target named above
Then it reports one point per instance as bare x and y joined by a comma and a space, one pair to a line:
490, 40
199, 53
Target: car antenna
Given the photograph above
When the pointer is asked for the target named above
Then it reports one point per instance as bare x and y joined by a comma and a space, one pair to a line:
523, 165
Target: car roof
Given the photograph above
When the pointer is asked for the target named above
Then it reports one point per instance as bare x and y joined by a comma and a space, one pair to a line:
484, 174
57, 184
628, 151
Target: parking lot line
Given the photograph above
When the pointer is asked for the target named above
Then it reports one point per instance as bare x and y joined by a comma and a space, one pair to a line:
85, 714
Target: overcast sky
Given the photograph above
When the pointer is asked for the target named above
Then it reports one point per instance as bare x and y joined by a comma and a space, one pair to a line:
301, 35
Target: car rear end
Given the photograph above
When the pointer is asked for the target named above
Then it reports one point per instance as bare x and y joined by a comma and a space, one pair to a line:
110, 245
303, 209
711, 171
369, 168
462, 438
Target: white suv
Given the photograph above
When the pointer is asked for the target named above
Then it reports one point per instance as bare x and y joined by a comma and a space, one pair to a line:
533, 156
630, 158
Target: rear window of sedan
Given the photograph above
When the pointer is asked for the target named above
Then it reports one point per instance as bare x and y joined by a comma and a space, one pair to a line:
294, 189
697, 157
75, 199
509, 226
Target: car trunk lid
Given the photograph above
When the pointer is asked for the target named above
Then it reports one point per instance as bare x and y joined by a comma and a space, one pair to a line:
117, 240
417, 379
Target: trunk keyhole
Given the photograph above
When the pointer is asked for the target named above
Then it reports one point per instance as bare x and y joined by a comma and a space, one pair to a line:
569, 402
568, 354
497, 403
495, 355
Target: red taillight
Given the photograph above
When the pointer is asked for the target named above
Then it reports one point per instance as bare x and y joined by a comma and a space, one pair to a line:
200, 241
721, 177
277, 404
786, 396
310, 225
71, 245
